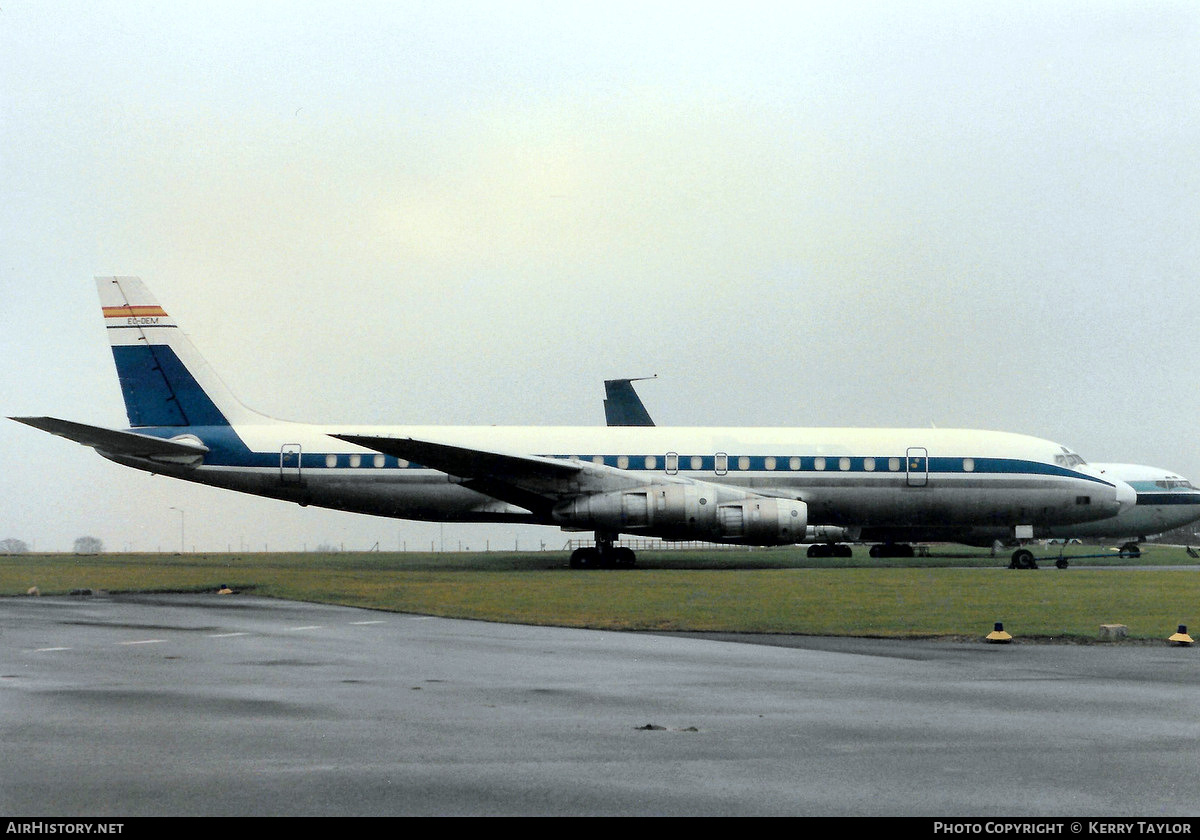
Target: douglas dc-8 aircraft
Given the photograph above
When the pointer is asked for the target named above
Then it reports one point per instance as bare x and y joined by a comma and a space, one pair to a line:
1164, 500
751, 486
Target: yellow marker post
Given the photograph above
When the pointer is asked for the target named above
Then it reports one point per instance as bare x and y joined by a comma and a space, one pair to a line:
1180, 637
998, 636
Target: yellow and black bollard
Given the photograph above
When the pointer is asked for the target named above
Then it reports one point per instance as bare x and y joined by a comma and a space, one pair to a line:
998, 636
1180, 637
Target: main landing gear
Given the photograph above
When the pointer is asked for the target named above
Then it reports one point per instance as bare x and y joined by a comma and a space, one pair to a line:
1131, 549
603, 556
830, 550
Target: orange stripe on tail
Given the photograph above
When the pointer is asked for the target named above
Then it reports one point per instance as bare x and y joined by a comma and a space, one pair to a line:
133, 311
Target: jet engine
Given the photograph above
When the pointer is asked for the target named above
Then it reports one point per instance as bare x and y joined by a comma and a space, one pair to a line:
688, 511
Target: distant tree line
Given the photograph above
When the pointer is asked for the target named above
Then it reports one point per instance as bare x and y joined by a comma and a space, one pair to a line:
83, 545
88, 545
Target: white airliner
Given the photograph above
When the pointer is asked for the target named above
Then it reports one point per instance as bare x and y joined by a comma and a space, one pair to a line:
1165, 501
750, 486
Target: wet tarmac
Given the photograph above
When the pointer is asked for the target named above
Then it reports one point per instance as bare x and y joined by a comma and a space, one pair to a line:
234, 705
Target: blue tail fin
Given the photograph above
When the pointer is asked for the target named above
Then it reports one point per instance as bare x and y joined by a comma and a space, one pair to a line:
164, 379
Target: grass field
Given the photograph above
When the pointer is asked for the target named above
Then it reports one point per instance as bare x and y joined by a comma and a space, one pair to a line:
954, 593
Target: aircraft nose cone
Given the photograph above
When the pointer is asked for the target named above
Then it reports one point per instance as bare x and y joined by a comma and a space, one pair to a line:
1126, 495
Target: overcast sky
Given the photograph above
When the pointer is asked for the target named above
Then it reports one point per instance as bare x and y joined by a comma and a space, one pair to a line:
981, 215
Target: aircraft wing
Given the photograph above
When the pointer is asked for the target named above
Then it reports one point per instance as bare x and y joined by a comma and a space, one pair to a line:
465, 462
113, 442
533, 482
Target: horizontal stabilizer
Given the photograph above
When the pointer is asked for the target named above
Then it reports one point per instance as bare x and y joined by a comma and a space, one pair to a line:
113, 442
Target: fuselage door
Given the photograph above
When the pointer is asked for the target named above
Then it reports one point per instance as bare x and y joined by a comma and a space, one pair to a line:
917, 465
289, 463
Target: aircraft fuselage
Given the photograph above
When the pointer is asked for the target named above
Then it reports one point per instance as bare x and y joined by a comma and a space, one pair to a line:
935, 481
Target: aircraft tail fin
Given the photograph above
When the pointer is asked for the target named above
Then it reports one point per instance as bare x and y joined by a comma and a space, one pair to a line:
164, 379
622, 405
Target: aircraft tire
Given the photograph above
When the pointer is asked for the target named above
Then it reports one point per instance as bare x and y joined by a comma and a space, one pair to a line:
624, 558
1131, 549
584, 558
1023, 559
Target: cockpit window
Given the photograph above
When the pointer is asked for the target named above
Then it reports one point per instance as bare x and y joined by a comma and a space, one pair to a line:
1069, 459
1174, 484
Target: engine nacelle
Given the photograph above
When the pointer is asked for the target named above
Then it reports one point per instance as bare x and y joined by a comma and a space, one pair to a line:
690, 511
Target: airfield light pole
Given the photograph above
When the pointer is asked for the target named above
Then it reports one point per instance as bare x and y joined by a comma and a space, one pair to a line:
182, 518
